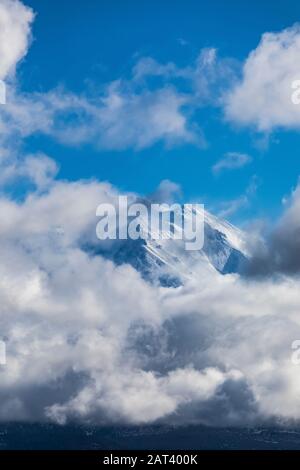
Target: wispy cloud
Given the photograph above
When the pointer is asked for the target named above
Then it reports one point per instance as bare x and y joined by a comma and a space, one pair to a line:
228, 208
231, 161
123, 117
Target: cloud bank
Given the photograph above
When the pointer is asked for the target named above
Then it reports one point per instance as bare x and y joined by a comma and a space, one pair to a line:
90, 341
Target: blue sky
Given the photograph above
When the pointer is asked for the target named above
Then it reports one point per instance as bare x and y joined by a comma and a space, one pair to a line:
85, 45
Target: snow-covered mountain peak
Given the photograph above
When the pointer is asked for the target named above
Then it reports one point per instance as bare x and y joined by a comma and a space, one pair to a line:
161, 258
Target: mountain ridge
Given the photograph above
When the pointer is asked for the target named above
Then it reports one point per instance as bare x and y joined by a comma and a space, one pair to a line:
165, 261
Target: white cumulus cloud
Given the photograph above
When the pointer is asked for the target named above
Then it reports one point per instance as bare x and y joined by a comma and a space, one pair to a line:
263, 97
15, 34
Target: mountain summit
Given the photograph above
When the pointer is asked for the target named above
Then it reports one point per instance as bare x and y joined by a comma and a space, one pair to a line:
167, 262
